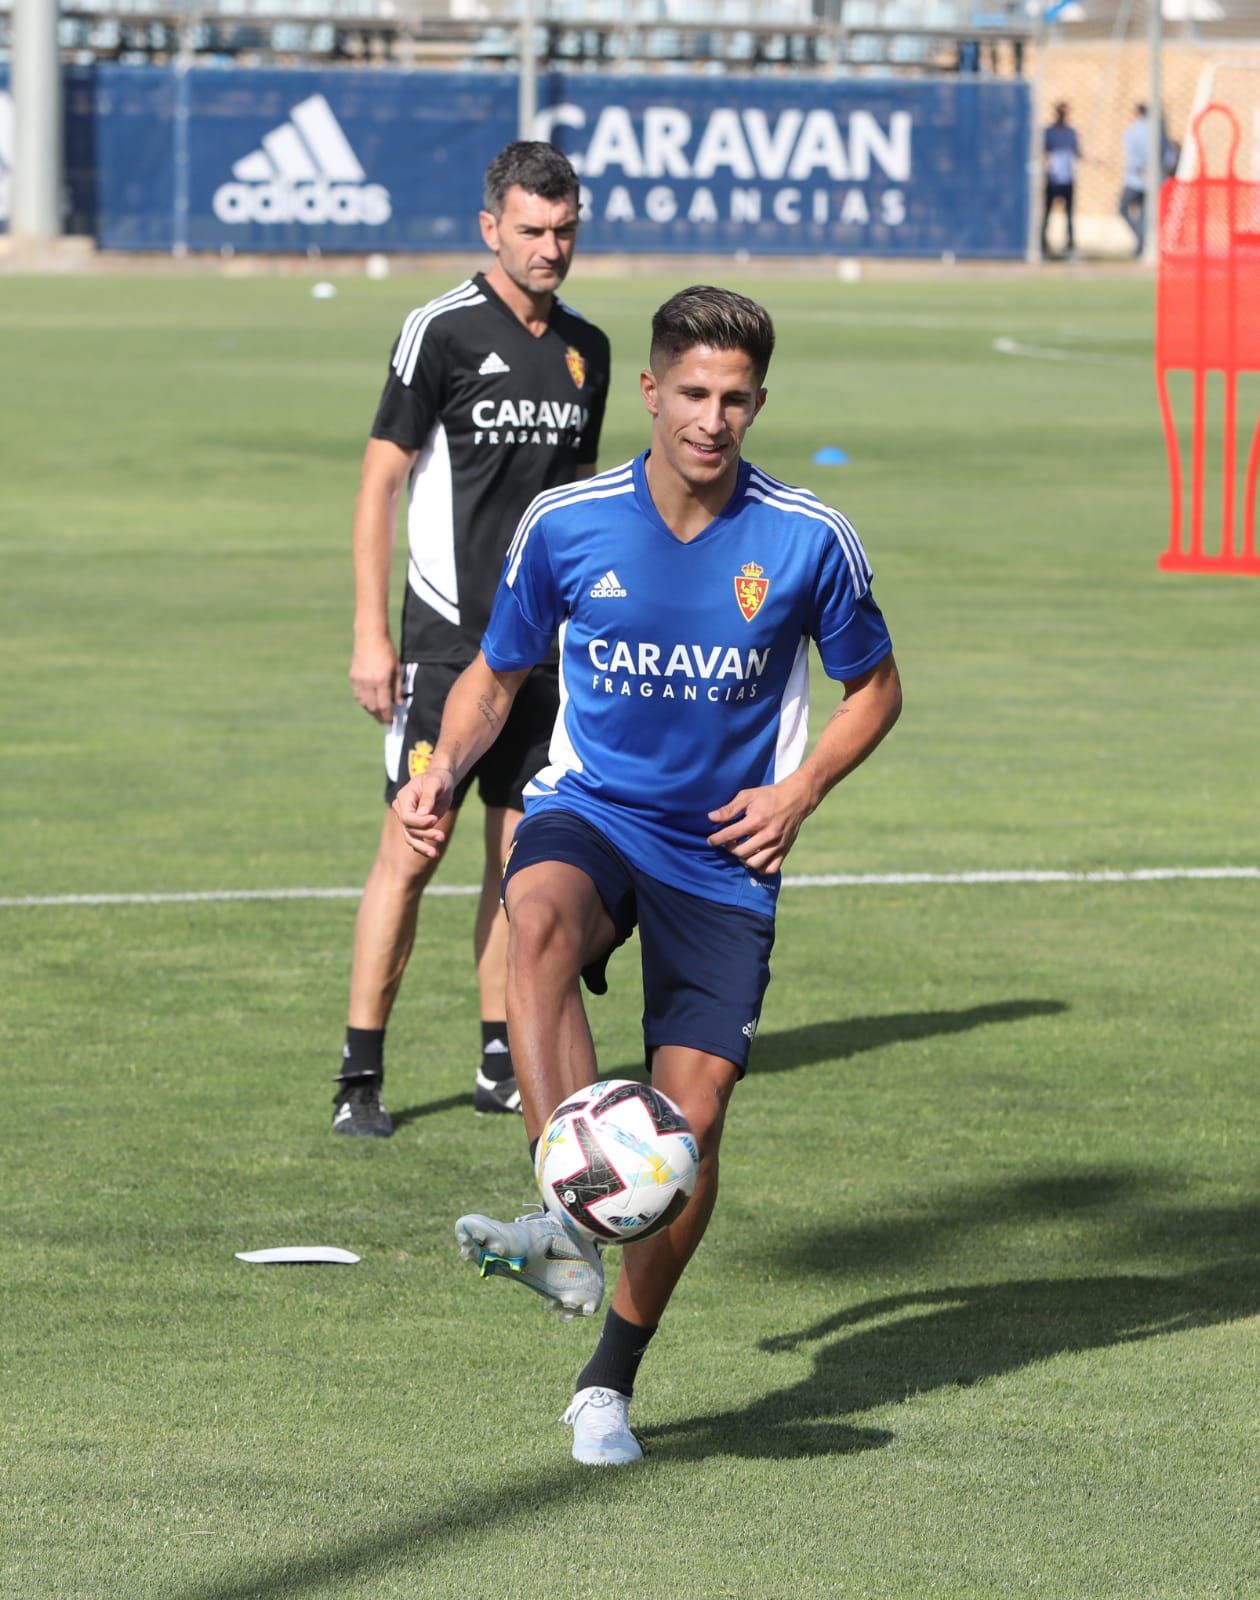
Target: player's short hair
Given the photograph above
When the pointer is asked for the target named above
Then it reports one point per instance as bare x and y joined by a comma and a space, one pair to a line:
718, 319
536, 167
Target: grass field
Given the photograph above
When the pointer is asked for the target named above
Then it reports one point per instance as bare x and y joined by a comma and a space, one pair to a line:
977, 1315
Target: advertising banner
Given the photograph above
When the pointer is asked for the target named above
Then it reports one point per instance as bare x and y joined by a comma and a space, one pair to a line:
81, 163
349, 160
796, 166
217, 159
6, 147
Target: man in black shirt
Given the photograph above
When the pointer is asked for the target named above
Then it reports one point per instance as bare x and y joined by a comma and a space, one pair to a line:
496, 391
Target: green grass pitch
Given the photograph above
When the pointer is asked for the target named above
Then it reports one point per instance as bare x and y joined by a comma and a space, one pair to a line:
977, 1312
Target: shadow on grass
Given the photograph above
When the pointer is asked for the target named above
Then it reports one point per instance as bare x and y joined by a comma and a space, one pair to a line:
430, 1109
816, 1042
838, 1041
916, 1235
875, 1354
886, 1351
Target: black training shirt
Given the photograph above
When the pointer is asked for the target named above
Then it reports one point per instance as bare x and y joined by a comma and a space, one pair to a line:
497, 416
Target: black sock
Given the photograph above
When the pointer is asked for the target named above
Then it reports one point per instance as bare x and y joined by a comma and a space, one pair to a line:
363, 1055
617, 1355
496, 1057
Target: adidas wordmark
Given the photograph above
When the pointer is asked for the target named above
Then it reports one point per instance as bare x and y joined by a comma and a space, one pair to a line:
492, 365
305, 171
608, 588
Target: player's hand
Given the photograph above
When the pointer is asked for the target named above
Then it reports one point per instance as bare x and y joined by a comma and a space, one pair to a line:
421, 806
376, 677
761, 825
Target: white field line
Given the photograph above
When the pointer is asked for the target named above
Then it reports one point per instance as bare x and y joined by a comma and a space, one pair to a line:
1043, 352
831, 880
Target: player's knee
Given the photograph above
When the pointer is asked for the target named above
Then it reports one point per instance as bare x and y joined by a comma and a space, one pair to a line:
707, 1127
405, 868
705, 1110
540, 933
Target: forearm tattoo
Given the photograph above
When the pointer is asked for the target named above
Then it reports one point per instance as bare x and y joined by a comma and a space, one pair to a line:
488, 711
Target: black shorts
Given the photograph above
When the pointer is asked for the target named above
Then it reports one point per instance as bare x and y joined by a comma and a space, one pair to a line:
705, 966
511, 761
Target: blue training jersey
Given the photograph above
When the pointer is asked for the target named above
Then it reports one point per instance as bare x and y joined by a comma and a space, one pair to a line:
684, 666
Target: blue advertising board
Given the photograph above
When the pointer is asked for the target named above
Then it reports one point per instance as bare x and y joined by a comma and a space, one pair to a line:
796, 167
342, 160
81, 165
356, 160
6, 147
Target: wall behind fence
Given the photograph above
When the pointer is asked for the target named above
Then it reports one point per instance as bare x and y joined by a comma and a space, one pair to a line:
354, 160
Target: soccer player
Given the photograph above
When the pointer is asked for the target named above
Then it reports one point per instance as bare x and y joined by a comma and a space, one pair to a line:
687, 586
495, 392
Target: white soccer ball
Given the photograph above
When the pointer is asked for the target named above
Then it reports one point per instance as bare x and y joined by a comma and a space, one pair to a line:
616, 1161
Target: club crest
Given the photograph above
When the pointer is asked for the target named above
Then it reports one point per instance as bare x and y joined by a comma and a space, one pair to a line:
750, 589
576, 363
418, 758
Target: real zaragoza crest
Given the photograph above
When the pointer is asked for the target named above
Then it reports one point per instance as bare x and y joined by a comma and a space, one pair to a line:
576, 364
750, 589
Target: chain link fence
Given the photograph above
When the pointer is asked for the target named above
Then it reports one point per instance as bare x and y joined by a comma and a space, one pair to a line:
1102, 79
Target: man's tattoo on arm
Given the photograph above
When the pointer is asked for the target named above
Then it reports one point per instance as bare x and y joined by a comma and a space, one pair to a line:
841, 711
488, 712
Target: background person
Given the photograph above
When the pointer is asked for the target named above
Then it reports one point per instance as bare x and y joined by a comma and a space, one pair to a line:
495, 392
1133, 194
1062, 150
687, 583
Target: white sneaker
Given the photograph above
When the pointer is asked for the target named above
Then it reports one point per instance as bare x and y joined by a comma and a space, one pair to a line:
537, 1252
601, 1429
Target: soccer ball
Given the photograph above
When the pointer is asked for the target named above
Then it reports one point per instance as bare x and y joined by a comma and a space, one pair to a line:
616, 1161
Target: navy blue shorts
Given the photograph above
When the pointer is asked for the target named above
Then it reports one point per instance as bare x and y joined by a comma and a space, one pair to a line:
705, 966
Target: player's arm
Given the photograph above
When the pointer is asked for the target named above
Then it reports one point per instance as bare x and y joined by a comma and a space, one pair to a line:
375, 674
474, 713
761, 824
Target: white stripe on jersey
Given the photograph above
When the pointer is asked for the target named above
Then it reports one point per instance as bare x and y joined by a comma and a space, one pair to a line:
785, 498
544, 501
793, 735
561, 756
433, 598
604, 486
432, 572
409, 340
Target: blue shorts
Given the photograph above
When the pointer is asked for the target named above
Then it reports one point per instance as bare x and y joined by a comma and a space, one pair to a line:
705, 966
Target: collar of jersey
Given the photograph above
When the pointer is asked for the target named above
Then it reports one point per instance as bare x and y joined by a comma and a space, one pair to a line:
648, 506
502, 307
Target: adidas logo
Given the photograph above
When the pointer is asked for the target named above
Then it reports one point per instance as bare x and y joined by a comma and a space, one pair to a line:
305, 171
492, 365
6, 151
608, 588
